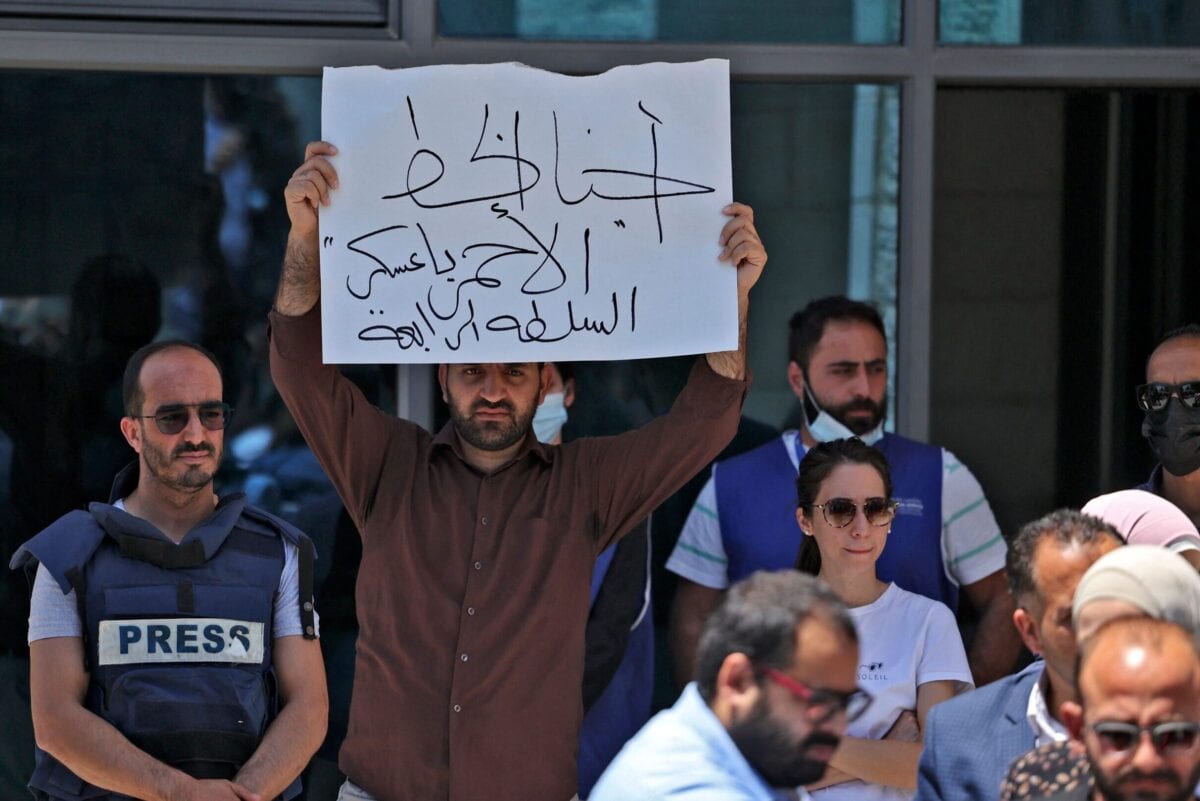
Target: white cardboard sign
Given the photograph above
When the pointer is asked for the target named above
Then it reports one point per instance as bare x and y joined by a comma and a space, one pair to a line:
499, 213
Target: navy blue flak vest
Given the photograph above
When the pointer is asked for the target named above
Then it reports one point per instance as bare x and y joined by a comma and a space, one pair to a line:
177, 637
756, 505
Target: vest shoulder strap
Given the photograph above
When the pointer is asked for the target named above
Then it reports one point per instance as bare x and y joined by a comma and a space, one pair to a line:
306, 568
67, 543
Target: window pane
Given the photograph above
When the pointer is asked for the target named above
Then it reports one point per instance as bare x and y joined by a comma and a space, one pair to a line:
819, 165
1071, 22
293, 12
808, 21
141, 206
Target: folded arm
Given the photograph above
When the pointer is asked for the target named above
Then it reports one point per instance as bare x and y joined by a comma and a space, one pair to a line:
891, 761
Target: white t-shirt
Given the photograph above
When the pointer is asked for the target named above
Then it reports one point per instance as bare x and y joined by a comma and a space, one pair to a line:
972, 545
905, 640
55, 614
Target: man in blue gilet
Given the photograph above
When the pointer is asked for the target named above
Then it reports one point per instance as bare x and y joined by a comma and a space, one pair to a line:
173, 650
944, 538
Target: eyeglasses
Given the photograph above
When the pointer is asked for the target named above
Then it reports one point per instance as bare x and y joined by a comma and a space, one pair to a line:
821, 705
1155, 397
839, 512
173, 419
1170, 737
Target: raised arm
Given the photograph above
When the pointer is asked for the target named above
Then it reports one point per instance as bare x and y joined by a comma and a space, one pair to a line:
91, 747
741, 247
308, 190
297, 731
330, 411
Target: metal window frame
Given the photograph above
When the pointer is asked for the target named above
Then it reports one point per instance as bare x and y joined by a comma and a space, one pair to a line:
919, 65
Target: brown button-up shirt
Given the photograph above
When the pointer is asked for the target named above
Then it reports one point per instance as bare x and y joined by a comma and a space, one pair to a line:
473, 589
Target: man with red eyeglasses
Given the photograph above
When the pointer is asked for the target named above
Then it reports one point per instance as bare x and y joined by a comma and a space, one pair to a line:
1171, 400
775, 687
1138, 714
173, 650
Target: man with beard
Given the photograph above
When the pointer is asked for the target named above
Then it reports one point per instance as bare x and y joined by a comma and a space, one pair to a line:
478, 541
1171, 401
944, 535
1138, 714
775, 686
971, 740
173, 648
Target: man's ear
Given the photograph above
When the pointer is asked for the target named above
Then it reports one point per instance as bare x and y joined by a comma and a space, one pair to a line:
544, 379
1028, 629
132, 430
795, 378
569, 392
737, 689
442, 369
1071, 715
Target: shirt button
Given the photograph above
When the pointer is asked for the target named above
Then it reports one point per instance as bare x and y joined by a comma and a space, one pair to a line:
479, 565
483, 520
470, 610
457, 708
463, 657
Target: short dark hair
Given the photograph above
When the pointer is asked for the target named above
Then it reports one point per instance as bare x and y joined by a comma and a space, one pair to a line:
1065, 527
758, 617
808, 325
131, 385
815, 467
566, 370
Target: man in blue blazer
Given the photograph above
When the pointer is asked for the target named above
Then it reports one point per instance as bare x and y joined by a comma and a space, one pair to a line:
971, 740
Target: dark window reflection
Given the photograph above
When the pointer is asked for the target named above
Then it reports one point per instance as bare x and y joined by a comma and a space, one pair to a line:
1145, 23
142, 207
796, 21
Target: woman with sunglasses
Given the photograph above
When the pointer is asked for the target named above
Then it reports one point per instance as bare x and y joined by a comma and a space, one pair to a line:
911, 654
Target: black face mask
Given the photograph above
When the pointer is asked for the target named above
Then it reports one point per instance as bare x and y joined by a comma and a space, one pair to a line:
1174, 436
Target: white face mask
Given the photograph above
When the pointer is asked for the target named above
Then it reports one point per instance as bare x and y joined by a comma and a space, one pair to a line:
550, 417
824, 427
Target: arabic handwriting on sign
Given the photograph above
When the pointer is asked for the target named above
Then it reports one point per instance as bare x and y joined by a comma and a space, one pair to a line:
521, 278
413, 262
613, 189
637, 193
537, 329
414, 192
534, 329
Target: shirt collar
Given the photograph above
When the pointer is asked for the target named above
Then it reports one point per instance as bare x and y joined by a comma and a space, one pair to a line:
447, 437
1045, 728
1155, 482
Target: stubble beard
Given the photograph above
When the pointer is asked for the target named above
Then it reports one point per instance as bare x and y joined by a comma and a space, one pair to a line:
160, 465
860, 425
491, 435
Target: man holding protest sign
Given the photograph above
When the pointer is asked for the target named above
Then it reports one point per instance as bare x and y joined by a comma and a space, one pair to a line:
478, 542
